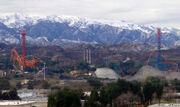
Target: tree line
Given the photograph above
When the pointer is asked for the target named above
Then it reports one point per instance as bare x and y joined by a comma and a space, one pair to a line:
113, 94
11, 95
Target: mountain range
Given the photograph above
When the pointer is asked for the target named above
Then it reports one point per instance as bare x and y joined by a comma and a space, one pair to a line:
70, 30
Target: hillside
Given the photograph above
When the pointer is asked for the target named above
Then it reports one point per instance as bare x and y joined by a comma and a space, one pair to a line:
117, 52
76, 52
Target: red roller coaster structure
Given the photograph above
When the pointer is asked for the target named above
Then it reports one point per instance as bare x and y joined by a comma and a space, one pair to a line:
22, 61
164, 62
158, 52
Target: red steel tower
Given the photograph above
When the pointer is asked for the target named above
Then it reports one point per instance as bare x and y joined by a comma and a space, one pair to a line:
159, 39
23, 33
159, 46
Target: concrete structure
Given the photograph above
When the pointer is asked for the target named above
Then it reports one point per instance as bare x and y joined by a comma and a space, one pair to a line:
106, 73
29, 98
2, 73
25, 81
165, 105
17, 103
33, 95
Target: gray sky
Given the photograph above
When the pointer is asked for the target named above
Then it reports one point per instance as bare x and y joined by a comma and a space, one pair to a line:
157, 12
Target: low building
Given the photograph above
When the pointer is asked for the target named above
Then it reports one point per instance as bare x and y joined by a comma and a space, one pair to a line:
2, 73
17, 103
25, 81
33, 95
165, 105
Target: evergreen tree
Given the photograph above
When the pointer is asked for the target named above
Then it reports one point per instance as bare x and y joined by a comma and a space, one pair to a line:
30, 85
103, 97
65, 98
18, 85
4, 84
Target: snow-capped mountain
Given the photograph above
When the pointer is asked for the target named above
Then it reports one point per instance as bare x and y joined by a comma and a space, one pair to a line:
61, 30
18, 20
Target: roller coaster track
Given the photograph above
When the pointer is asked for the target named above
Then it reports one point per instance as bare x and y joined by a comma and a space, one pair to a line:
164, 62
28, 63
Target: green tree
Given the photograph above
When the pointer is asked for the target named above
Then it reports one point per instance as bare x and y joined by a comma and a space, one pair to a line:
112, 92
148, 90
158, 84
30, 85
45, 85
116, 89
94, 95
18, 85
127, 65
103, 97
92, 69
93, 99
176, 84
65, 98
4, 84
83, 66
124, 86
135, 87
1, 97
94, 82
52, 101
13, 94
29, 69
159, 92
152, 85
6, 63
113, 66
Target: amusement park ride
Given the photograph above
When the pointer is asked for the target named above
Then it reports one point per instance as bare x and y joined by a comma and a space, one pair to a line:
159, 64
22, 61
161, 59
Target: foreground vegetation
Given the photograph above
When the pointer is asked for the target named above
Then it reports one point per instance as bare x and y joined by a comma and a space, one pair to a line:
120, 93
9, 95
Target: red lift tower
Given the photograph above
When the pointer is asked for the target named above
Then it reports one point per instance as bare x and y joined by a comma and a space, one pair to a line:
22, 61
23, 33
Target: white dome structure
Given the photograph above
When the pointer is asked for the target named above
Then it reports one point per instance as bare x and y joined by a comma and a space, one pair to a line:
106, 73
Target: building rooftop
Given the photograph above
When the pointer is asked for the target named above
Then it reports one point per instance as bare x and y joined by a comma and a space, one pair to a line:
15, 102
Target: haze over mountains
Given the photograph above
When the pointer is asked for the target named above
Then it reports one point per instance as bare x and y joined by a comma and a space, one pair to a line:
67, 30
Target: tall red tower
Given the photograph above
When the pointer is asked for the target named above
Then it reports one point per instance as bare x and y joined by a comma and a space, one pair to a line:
159, 39
23, 33
159, 58
159, 45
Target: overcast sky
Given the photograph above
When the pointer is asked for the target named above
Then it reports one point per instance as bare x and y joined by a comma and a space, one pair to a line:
157, 12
